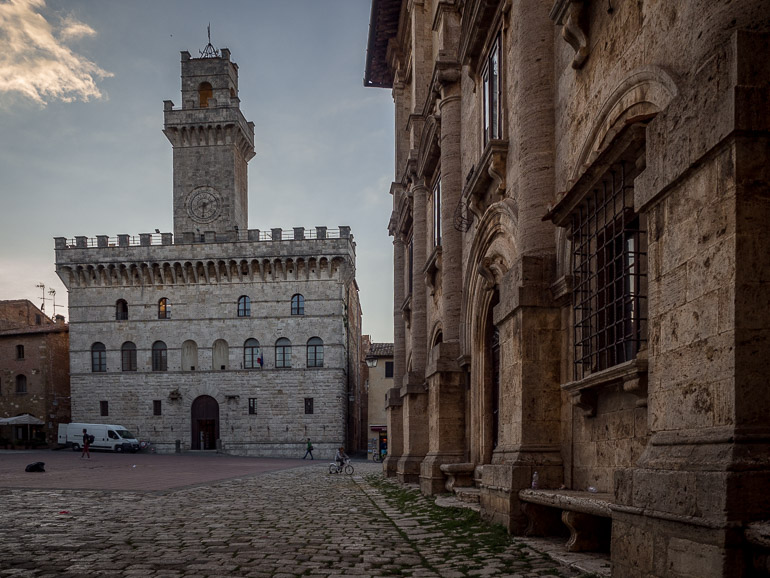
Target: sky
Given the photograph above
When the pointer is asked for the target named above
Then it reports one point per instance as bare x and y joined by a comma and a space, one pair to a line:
82, 85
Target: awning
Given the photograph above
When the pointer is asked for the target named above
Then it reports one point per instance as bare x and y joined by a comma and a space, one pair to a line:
25, 419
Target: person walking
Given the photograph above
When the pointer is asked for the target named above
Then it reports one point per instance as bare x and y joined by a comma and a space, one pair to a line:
86, 444
309, 450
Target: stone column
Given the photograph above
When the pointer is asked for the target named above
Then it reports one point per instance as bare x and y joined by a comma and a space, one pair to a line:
446, 392
394, 403
527, 319
413, 389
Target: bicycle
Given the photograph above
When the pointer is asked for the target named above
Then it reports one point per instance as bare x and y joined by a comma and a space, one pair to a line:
378, 457
335, 468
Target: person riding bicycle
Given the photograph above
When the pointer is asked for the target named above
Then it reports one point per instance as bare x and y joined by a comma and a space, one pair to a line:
340, 457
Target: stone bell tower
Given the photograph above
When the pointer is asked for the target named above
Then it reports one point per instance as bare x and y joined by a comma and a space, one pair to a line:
212, 143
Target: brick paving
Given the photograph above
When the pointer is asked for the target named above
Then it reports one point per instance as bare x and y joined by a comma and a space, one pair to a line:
212, 516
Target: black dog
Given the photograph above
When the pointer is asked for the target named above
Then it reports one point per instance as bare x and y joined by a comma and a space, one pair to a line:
36, 467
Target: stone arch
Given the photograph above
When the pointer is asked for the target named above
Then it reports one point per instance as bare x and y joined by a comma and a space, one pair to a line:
640, 96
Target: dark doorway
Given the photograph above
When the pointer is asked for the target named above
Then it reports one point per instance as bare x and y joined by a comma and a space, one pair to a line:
205, 423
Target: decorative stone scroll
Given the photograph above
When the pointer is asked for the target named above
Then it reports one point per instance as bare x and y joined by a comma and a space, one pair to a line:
570, 15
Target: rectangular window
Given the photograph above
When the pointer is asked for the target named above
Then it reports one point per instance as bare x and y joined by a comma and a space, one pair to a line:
104, 408
157, 407
19, 352
410, 265
308, 405
252, 406
437, 213
388, 369
610, 275
492, 101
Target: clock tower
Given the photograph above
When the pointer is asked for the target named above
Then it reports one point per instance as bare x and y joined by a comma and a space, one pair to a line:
212, 143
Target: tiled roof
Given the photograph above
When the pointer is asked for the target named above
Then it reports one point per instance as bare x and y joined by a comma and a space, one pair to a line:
380, 350
51, 328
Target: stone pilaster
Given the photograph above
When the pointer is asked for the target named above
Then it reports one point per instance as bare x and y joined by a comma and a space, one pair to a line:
394, 407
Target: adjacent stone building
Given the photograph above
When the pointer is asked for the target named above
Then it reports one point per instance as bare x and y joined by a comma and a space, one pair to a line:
379, 360
215, 336
34, 372
580, 212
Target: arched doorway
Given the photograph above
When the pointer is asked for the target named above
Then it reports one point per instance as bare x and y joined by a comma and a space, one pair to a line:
490, 417
204, 423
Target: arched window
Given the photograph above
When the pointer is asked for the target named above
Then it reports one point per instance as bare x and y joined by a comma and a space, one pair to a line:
121, 310
252, 357
205, 92
128, 356
283, 353
244, 306
21, 384
159, 356
315, 352
98, 357
220, 356
297, 305
189, 355
164, 309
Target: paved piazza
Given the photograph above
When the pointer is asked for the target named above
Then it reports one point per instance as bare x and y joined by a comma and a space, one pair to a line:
195, 516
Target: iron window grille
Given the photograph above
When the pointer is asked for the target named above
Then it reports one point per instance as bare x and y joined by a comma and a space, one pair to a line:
315, 352
308, 405
609, 244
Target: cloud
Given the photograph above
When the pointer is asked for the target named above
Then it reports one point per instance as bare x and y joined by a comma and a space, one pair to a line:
35, 62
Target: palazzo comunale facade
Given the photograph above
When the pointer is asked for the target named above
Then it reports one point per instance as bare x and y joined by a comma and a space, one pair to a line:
215, 336
579, 222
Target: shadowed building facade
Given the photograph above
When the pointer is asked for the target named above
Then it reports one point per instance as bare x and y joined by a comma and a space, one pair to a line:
215, 336
579, 209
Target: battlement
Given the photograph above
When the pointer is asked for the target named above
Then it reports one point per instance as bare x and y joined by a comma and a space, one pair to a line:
150, 239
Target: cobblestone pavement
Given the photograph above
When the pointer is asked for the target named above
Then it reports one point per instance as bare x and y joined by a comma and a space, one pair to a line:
291, 522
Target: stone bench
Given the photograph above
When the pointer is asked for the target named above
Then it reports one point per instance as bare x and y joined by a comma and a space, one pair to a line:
587, 515
458, 475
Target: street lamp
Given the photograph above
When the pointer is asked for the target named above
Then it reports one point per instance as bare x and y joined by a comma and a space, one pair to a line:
371, 362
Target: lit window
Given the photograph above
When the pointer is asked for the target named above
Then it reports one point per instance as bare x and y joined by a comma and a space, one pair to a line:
244, 306
252, 357
315, 352
164, 309
492, 101
283, 353
205, 92
297, 305
128, 356
98, 357
159, 356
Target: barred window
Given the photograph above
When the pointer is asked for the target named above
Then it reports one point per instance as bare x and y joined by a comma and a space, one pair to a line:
609, 243
308, 405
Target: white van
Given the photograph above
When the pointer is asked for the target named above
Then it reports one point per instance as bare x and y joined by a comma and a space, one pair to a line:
106, 437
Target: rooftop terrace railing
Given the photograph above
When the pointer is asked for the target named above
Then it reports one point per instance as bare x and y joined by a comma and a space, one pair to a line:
250, 235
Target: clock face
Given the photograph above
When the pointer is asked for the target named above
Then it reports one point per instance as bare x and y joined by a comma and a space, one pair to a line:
204, 205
